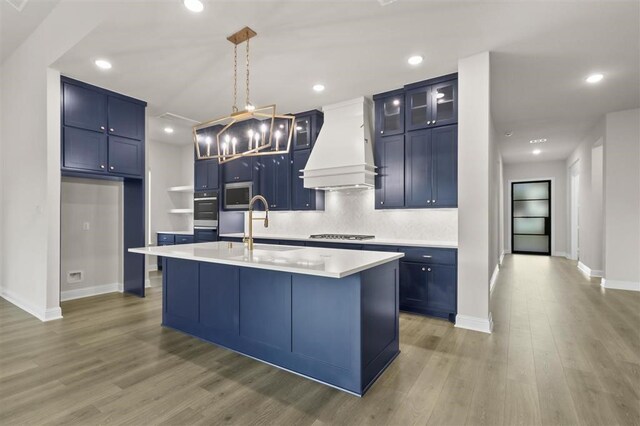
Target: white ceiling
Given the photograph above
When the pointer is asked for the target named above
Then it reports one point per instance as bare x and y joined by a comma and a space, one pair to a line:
16, 25
181, 63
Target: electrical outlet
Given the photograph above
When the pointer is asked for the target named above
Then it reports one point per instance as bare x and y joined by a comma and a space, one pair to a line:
74, 277
86, 226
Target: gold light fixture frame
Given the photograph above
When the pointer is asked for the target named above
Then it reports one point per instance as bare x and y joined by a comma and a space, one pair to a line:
224, 153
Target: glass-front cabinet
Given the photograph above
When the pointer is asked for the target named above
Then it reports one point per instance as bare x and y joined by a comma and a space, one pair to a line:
302, 133
390, 114
444, 108
431, 105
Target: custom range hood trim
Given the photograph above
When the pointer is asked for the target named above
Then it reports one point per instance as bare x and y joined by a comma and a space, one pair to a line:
342, 157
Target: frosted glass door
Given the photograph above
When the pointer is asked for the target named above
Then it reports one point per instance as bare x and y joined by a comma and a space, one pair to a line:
531, 217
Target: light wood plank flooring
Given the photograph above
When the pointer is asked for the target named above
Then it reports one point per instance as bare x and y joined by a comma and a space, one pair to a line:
563, 352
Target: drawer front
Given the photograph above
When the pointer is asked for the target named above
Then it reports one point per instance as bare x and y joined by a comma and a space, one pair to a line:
206, 235
166, 238
341, 246
184, 239
429, 255
373, 247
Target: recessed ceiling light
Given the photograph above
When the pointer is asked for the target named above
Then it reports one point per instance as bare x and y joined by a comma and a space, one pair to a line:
508, 134
103, 64
193, 5
168, 129
318, 87
415, 60
594, 78
538, 140
536, 152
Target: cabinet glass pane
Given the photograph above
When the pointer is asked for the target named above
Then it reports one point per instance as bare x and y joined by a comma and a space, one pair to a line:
444, 103
528, 225
537, 208
303, 129
392, 115
419, 107
531, 243
531, 191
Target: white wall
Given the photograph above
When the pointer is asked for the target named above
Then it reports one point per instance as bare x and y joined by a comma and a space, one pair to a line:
30, 140
96, 251
622, 200
170, 165
590, 211
475, 158
554, 170
354, 213
496, 217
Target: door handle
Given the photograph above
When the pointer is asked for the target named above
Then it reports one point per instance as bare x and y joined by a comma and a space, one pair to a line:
111, 129
102, 166
111, 167
433, 201
426, 256
101, 127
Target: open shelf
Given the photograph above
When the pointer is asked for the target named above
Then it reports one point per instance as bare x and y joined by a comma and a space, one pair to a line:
187, 189
181, 211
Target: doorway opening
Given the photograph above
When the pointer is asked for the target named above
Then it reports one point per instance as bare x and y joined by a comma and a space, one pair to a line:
531, 217
574, 212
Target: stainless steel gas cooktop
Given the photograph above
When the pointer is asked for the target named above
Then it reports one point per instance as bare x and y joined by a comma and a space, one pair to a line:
342, 237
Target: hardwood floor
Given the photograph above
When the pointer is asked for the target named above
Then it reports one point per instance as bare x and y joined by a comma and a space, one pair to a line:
564, 351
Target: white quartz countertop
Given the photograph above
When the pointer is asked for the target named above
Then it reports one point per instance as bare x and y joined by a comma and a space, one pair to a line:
175, 232
375, 241
322, 262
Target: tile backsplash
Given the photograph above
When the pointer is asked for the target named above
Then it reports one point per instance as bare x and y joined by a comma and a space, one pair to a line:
354, 213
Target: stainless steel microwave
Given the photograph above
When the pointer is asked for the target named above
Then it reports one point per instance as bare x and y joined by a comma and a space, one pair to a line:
237, 195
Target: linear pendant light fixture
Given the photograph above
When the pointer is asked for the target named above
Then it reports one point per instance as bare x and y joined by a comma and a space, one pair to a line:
244, 133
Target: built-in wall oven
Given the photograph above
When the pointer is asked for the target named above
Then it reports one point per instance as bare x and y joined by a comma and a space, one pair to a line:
237, 195
205, 210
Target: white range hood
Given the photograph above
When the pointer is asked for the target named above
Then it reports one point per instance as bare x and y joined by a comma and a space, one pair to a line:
342, 157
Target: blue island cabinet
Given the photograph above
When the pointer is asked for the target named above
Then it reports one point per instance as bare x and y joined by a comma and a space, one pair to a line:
338, 331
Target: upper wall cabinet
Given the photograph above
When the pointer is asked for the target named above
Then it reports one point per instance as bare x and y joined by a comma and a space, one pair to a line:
416, 145
307, 126
84, 108
103, 132
390, 113
431, 104
126, 118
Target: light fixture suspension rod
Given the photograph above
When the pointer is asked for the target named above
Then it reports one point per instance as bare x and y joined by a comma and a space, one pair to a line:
248, 103
235, 79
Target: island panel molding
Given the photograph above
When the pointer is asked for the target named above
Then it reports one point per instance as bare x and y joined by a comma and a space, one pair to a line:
342, 332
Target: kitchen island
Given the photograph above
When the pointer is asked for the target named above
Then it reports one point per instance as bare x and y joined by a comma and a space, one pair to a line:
330, 315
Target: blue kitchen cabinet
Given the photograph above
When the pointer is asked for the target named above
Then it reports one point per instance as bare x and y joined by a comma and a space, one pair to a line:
239, 170
83, 107
307, 126
206, 174
102, 132
418, 169
444, 165
303, 198
84, 150
428, 289
389, 112
173, 239
431, 168
205, 235
431, 103
126, 156
389, 182
275, 180
125, 118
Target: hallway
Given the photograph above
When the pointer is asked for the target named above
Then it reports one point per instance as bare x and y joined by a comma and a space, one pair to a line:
572, 349
563, 352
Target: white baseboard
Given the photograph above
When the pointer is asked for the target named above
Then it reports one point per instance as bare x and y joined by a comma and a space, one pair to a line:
90, 291
42, 314
494, 278
485, 325
501, 257
620, 285
507, 251
559, 254
588, 271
